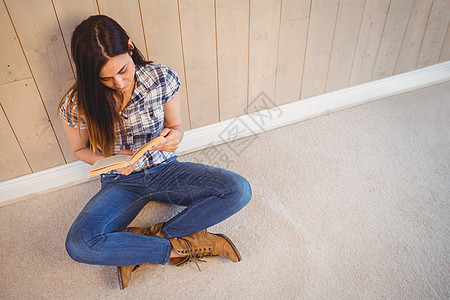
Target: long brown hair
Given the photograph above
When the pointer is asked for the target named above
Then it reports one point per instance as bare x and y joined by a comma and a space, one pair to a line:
94, 42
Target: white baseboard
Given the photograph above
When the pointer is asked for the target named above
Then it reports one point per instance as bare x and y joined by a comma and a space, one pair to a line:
76, 172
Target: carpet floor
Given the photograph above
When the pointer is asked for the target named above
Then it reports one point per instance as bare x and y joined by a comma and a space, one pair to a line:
349, 205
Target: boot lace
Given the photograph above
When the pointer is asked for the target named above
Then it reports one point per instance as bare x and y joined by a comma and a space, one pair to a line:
196, 255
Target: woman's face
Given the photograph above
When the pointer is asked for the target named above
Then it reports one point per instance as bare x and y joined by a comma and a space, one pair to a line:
118, 73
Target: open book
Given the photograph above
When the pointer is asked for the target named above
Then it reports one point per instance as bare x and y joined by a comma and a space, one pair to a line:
120, 161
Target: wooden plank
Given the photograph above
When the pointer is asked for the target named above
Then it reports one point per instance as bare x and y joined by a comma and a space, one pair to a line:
12, 161
412, 41
344, 45
232, 56
41, 38
13, 65
369, 38
35, 135
162, 30
70, 14
263, 49
199, 44
295, 9
318, 50
391, 41
434, 34
127, 14
291, 56
445, 52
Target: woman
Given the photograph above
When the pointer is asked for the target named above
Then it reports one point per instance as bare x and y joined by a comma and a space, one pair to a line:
118, 103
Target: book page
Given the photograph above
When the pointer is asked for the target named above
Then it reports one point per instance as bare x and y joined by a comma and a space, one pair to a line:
111, 160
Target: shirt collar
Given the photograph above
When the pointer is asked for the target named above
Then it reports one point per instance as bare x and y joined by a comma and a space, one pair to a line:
140, 85
144, 78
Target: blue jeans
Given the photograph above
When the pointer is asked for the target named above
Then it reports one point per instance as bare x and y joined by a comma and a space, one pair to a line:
210, 195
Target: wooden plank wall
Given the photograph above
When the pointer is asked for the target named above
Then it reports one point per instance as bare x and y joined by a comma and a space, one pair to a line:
226, 52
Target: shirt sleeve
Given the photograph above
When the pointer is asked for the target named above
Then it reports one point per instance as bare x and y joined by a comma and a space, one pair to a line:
172, 82
69, 113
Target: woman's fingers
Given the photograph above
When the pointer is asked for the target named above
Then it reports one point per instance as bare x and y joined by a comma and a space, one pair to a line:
127, 170
126, 152
171, 143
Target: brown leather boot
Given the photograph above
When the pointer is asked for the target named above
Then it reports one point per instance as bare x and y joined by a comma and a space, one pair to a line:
201, 244
124, 272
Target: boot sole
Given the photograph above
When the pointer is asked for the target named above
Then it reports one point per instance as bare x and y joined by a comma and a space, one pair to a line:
232, 245
119, 273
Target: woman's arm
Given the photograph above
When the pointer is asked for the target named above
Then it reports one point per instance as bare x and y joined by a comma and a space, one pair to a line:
173, 129
79, 144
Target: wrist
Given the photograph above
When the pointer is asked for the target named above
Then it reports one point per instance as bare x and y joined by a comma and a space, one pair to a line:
179, 132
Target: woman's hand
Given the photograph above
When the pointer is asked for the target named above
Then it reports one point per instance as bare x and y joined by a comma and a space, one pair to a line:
127, 170
173, 138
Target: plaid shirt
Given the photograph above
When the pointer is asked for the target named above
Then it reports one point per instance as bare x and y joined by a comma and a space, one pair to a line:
143, 116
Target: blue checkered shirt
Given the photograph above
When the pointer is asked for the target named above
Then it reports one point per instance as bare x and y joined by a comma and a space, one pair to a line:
143, 117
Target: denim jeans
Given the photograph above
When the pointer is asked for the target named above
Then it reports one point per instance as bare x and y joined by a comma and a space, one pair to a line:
209, 194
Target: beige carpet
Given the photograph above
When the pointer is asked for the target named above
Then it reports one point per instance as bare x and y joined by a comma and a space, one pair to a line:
351, 205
